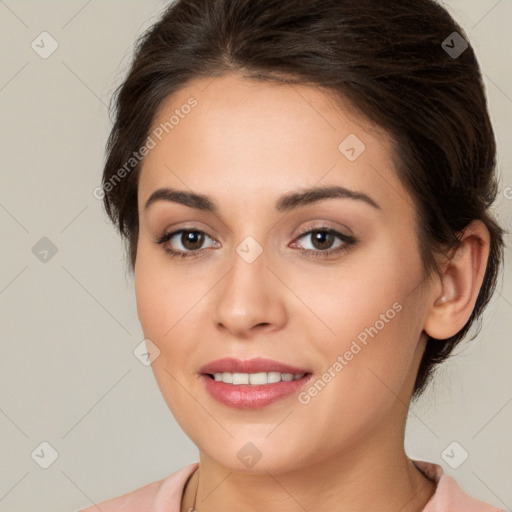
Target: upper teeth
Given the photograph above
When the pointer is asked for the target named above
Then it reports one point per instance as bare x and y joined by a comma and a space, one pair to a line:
256, 378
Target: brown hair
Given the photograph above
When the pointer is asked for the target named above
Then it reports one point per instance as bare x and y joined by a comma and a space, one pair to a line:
387, 58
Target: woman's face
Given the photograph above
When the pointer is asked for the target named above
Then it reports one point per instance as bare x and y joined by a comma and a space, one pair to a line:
346, 307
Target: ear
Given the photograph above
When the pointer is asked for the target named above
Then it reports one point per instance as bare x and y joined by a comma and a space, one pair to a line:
461, 278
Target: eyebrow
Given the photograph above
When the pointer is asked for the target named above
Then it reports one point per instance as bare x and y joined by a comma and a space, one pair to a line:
285, 203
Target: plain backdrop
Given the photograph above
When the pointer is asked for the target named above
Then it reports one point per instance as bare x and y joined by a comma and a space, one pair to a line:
68, 374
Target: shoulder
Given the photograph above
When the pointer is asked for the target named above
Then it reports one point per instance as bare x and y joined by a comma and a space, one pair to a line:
151, 497
141, 498
449, 497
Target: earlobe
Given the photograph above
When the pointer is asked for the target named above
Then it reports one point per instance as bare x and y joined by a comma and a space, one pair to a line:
462, 277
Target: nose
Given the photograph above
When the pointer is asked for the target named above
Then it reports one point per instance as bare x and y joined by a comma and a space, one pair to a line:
249, 300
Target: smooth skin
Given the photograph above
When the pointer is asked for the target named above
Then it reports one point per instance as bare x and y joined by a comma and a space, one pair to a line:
244, 145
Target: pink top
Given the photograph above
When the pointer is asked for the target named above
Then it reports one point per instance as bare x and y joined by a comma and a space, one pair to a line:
165, 495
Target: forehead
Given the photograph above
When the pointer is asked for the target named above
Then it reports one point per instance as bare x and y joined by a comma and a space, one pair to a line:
263, 138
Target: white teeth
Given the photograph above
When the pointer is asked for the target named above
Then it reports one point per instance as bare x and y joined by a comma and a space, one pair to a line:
256, 379
240, 378
273, 377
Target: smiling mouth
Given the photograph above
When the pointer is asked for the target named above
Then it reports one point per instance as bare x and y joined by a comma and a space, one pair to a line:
253, 390
255, 379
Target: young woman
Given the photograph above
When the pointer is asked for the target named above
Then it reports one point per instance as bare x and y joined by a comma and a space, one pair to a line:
304, 189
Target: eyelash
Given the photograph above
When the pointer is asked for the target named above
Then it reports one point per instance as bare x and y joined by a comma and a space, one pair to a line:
349, 241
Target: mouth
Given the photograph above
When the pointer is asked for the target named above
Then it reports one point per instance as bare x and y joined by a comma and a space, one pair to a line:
255, 379
252, 384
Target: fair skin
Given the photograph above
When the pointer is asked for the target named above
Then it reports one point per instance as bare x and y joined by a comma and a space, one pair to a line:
245, 145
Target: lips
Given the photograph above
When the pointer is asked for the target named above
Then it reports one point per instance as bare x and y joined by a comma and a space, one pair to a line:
256, 395
259, 364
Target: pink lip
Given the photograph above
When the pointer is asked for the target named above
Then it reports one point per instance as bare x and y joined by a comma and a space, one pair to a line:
259, 364
245, 396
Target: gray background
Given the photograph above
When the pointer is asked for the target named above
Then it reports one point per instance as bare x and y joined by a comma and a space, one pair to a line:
69, 326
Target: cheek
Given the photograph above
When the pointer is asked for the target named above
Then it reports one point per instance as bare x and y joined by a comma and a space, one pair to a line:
168, 301
159, 300
362, 379
350, 298
148, 296
374, 317
161, 310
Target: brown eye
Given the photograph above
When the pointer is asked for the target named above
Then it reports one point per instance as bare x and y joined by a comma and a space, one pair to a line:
322, 239
189, 242
192, 240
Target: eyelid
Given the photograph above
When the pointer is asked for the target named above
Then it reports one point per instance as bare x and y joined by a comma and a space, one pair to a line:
171, 233
320, 224
174, 228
